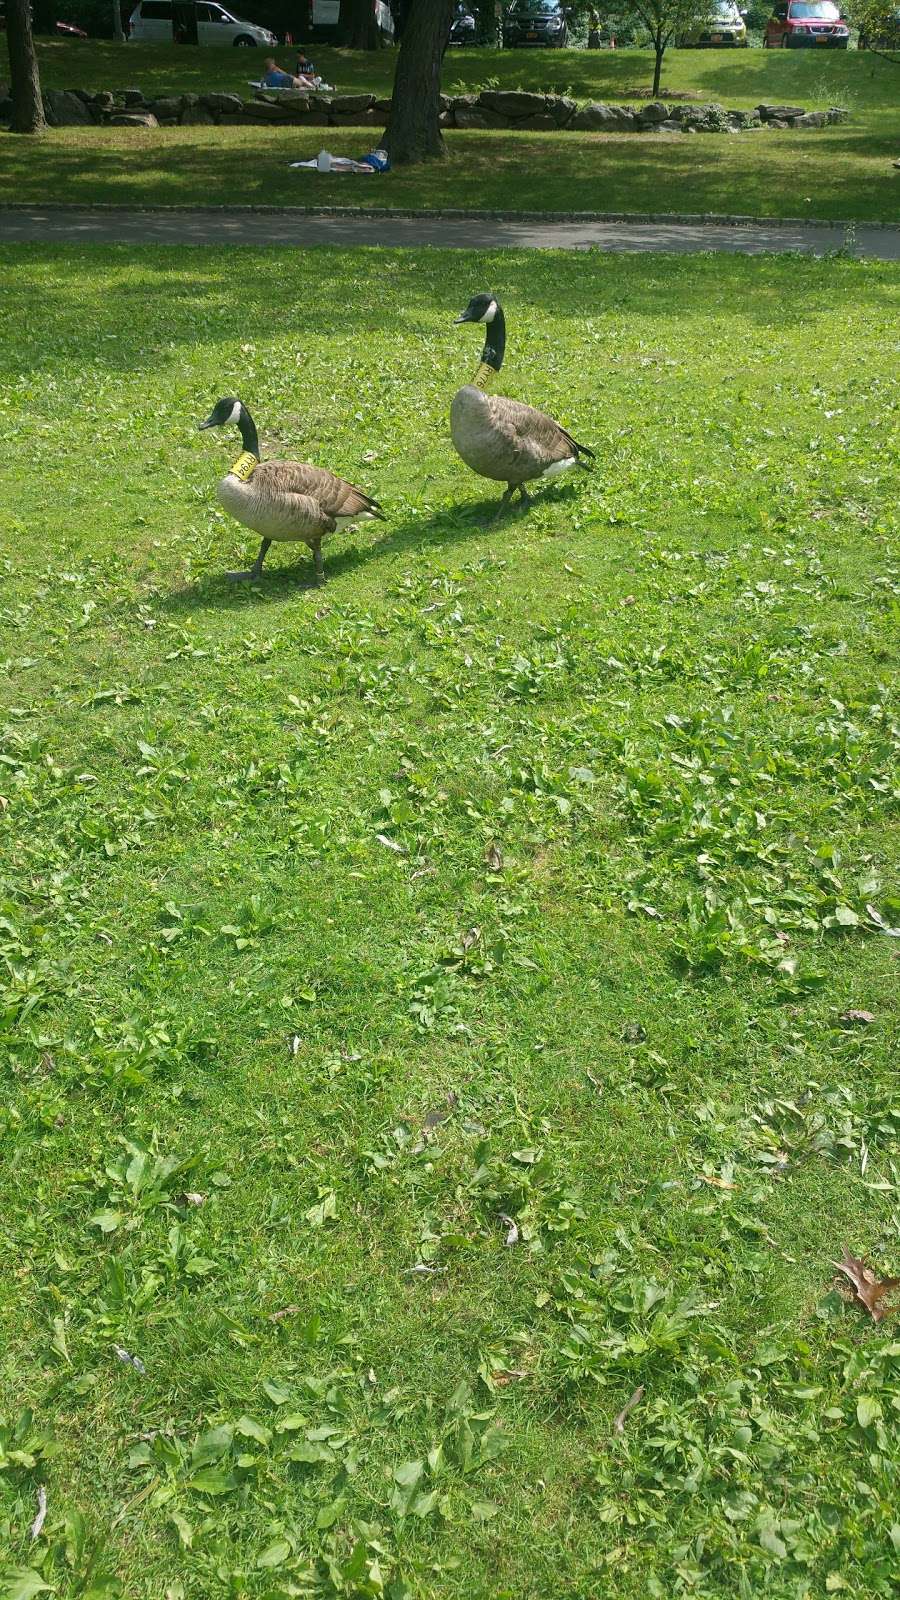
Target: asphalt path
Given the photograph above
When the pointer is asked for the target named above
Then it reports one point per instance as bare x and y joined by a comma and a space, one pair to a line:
71, 225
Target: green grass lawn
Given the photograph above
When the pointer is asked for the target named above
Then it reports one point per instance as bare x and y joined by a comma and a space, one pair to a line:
843, 172
424, 999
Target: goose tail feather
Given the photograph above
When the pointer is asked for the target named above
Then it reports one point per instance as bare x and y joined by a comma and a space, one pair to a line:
580, 450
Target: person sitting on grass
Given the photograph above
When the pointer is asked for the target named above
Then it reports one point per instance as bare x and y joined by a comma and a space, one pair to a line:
275, 78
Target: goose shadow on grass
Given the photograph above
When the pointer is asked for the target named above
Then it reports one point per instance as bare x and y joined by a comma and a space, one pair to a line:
439, 530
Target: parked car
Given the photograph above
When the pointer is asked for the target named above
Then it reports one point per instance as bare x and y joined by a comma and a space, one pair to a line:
725, 30
151, 23
324, 16
796, 23
462, 28
529, 22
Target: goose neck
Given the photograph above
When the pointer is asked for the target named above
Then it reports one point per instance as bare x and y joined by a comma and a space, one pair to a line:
494, 349
249, 435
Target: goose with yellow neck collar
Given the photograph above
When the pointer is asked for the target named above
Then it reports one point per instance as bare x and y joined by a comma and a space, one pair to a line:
503, 439
284, 501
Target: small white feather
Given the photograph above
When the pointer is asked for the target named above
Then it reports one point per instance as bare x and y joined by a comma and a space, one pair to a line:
556, 467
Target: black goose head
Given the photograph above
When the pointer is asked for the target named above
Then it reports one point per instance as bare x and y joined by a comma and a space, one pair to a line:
225, 410
486, 308
481, 308
228, 410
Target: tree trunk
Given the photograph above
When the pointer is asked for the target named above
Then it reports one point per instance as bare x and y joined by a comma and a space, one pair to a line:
184, 22
660, 48
413, 132
357, 28
28, 107
118, 30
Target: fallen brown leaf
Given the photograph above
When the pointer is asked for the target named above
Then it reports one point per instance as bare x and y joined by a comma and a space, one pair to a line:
860, 1018
717, 1183
633, 1033
870, 1290
622, 1418
41, 1517
494, 859
436, 1117
286, 1311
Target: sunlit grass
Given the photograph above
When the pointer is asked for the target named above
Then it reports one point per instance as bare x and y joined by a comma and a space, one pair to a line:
424, 1000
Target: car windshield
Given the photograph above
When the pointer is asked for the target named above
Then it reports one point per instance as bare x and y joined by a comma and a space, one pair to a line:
815, 11
725, 11
536, 8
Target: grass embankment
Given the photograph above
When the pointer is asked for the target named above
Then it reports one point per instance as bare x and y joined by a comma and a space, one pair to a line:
425, 999
841, 172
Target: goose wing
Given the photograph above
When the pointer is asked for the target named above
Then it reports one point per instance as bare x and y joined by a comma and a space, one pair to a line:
333, 496
525, 432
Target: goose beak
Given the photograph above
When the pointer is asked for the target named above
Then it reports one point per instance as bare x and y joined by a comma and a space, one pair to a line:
207, 424
464, 317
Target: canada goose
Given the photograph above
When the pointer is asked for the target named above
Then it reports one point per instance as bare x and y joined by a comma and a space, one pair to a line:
504, 439
284, 500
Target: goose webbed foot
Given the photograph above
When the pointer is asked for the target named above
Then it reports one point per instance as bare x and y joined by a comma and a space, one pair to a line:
524, 496
255, 570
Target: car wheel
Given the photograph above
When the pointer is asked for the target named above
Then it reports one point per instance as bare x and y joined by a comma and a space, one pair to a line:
765, 41
244, 42
786, 41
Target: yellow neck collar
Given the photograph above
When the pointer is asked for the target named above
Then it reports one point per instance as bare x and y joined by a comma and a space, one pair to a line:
245, 466
485, 376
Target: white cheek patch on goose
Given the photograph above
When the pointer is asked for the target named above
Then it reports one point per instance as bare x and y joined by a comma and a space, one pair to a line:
490, 313
235, 411
556, 467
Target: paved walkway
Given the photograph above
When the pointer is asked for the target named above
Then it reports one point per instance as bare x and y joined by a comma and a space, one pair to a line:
69, 225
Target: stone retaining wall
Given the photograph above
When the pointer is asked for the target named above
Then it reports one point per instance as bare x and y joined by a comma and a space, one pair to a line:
493, 108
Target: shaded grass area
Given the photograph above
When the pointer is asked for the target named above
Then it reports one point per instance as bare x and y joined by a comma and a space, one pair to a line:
424, 1000
843, 172
742, 78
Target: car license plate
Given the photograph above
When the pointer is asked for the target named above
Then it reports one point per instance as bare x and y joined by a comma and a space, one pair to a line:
823, 39
531, 35
716, 38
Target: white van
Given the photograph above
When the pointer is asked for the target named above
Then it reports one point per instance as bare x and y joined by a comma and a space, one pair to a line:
151, 23
324, 16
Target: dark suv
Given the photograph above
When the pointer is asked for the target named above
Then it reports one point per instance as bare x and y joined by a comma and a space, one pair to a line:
530, 22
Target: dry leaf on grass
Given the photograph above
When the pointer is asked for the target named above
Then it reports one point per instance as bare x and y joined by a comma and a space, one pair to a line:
494, 859
38, 1522
622, 1418
870, 1291
717, 1183
441, 1113
858, 1018
390, 844
512, 1227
